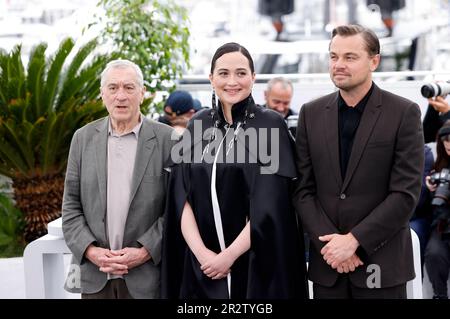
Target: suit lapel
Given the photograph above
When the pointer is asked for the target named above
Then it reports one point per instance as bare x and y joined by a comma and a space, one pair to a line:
368, 121
332, 136
145, 148
101, 142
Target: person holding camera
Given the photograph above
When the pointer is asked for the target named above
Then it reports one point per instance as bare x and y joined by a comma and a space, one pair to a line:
437, 113
437, 253
421, 220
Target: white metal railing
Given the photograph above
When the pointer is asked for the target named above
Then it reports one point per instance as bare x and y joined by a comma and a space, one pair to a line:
43, 261
45, 270
310, 86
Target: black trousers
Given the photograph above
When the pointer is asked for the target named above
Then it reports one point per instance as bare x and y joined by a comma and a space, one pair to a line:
437, 263
344, 289
114, 289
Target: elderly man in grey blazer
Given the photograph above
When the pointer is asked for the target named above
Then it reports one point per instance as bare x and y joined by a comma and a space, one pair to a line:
115, 191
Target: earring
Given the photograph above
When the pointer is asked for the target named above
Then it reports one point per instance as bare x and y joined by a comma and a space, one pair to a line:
213, 100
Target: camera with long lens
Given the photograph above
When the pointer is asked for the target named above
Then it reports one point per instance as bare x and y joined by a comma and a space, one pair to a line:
435, 89
441, 198
442, 193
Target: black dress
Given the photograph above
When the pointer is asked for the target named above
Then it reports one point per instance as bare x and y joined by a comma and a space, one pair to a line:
227, 190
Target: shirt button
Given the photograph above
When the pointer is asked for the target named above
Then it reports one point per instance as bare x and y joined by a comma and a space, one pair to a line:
342, 196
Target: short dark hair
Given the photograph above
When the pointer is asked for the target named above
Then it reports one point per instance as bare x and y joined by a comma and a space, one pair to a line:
370, 38
228, 48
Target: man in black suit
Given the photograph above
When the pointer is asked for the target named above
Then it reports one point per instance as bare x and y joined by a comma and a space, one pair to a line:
359, 161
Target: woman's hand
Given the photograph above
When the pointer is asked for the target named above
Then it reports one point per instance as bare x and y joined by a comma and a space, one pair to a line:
205, 255
431, 187
218, 266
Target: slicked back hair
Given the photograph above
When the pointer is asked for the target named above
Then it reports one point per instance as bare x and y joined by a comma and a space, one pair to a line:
370, 38
232, 47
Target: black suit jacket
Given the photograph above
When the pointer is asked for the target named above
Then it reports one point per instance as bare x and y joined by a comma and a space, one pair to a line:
376, 198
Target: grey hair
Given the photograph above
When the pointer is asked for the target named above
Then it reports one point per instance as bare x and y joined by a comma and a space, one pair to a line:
279, 79
122, 64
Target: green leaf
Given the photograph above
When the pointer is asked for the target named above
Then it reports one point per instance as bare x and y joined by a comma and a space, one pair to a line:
35, 83
11, 228
54, 74
41, 107
13, 142
68, 88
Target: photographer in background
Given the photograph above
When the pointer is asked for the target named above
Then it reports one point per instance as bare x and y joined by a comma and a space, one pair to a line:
178, 110
437, 253
437, 113
278, 96
421, 220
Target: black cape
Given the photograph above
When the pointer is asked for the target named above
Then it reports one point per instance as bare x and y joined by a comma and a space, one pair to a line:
274, 266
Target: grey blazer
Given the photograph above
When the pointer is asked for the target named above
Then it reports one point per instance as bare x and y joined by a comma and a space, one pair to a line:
378, 194
84, 204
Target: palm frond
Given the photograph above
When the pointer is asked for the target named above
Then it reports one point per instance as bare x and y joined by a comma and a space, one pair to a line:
85, 83
36, 72
14, 135
54, 74
16, 73
47, 149
11, 163
74, 68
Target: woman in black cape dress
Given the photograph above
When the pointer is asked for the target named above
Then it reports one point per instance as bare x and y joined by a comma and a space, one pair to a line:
274, 267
